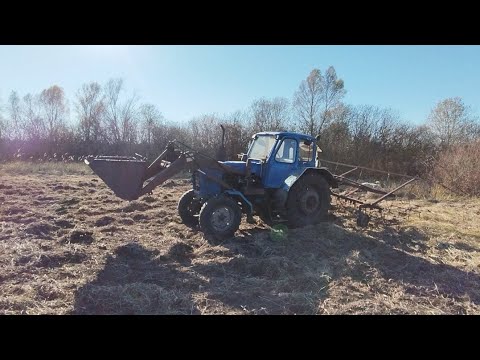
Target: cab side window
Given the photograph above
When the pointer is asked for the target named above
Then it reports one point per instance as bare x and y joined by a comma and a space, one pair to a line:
287, 151
306, 151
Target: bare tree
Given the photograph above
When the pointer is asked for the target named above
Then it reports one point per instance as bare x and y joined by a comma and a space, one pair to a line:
362, 121
112, 94
15, 128
171, 131
128, 120
150, 119
90, 107
371, 130
3, 125
54, 110
336, 138
34, 125
332, 95
307, 102
316, 98
237, 134
3, 121
121, 117
452, 122
269, 115
205, 133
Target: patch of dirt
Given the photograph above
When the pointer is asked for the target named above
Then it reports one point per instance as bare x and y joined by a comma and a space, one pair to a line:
57, 260
139, 217
112, 229
41, 230
47, 292
61, 210
79, 237
180, 251
89, 210
135, 206
104, 221
51, 259
126, 221
63, 187
21, 219
45, 198
169, 184
69, 201
13, 210
65, 224
133, 251
129, 299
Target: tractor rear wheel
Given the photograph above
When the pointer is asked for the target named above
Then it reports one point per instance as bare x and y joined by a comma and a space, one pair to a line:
308, 201
220, 216
188, 208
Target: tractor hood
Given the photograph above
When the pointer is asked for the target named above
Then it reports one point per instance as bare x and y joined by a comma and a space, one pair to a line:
236, 166
240, 167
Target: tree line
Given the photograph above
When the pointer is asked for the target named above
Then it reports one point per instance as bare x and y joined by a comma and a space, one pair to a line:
105, 119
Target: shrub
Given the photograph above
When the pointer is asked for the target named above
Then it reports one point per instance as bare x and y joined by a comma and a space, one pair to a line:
458, 168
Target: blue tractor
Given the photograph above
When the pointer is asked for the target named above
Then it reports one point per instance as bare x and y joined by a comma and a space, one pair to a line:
279, 179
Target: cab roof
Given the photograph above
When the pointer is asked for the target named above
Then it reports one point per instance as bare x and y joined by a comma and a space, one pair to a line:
286, 134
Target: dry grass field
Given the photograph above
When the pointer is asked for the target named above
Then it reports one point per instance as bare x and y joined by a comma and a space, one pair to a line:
69, 246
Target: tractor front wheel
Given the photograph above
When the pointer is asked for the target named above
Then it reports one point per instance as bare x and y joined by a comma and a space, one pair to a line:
220, 216
188, 208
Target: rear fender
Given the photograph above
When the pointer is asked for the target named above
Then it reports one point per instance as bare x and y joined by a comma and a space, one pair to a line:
292, 179
281, 195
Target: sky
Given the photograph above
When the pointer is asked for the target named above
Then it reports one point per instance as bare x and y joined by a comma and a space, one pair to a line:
187, 81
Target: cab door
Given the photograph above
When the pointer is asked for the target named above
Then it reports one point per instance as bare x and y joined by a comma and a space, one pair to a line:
282, 164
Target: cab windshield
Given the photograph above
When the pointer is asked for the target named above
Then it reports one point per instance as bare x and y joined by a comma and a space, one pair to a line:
261, 147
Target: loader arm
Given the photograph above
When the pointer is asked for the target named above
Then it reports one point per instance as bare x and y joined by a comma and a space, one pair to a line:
166, 173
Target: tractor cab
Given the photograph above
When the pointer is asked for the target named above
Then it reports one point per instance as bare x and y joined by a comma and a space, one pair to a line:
274, 156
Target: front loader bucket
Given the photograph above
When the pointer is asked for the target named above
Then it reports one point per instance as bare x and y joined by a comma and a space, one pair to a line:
124, 175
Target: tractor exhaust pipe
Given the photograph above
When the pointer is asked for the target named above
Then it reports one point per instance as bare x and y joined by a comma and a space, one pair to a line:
222, 152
